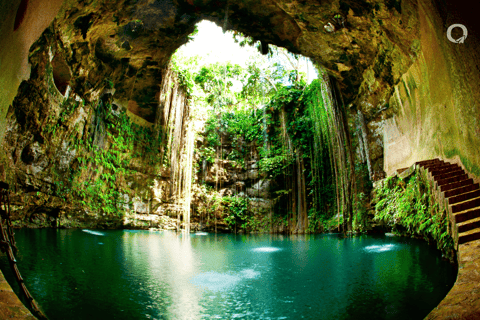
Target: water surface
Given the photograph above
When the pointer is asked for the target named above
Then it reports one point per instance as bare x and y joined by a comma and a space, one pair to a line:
91, 274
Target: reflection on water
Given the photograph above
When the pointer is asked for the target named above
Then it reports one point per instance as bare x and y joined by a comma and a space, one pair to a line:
215, 281
380, 248
96, 233
266, 249
162, 275
249, 274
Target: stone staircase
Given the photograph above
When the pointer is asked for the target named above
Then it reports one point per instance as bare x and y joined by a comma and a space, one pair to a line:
459, 194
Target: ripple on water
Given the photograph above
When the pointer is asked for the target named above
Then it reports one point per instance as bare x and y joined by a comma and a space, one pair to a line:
380, 248
266, 249
96, 233
215, 281
249, 274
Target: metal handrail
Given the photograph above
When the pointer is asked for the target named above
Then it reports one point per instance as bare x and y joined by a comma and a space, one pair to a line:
8, 246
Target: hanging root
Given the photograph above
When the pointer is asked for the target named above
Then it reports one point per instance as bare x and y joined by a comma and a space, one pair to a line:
263, 47
225, 19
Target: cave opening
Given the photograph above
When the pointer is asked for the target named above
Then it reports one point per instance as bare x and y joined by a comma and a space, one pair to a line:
234, 82
116, 150
146, 91
134, 87
61, 74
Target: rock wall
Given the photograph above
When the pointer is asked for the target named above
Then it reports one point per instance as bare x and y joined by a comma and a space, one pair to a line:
436, 103
228, 178
20, 27
83, 157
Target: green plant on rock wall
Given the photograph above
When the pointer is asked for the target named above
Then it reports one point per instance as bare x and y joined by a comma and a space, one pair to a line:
408, 206
98, 181
237, 213
208, 154
363, 186
360, 218
271, 118
314, 220
281, 133
243, 130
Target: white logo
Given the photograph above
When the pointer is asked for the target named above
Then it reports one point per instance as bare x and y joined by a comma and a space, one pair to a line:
462, 38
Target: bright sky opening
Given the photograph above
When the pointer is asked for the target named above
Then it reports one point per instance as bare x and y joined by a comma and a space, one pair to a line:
214, 46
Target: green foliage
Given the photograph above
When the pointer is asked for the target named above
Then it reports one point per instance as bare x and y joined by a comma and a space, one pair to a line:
410, 205
237, 214
54, 123
360, 212
282, 132
296, 132
326, 171
183, 68
192, 35
216, 80
275, 165
242, 127
96, 183
267, 109
108, 84
207, 153
331, 224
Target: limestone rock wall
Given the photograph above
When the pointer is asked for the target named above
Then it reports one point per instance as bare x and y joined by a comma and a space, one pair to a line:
19, 29
83, 157
228, 178
436, 103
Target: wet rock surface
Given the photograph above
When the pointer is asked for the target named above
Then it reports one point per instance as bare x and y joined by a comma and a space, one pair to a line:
10, 306
463, 300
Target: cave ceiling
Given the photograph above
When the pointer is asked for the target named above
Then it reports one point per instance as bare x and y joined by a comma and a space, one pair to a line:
366, 47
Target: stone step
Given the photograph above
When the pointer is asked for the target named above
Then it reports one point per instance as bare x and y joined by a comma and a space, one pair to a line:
444, 175
455, 185
465, 205
429, 162
436, 166
401, 170
457, 191
447, 167
437, 172
467, 215
445, 181
469, 235
468, 225
464, 197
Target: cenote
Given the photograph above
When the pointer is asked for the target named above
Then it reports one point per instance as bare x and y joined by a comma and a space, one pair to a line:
295, 120
121, 274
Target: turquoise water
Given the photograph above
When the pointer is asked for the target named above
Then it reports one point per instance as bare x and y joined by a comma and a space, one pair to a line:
86, 274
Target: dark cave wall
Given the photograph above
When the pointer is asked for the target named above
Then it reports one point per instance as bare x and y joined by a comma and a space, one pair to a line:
19, 29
